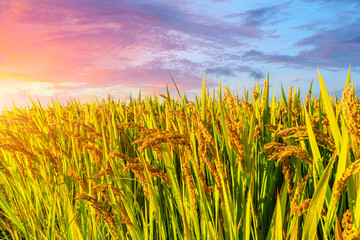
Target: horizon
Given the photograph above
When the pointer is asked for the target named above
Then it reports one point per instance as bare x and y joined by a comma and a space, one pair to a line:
78, 49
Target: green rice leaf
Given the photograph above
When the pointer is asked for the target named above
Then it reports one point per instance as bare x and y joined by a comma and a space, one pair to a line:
317, 160
248, 216
341, 166
4, 205
279, 220
317, 203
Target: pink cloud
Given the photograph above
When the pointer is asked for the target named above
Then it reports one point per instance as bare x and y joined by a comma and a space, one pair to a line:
101, 44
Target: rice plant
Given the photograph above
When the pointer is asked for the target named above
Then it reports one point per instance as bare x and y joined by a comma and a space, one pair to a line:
158, 167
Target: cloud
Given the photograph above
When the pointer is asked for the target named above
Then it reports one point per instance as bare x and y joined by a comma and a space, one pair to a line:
260, 16
129, 44
258, 20
220, 71
253, 55
333, 1
296, 80
253, 72
93, 41
337, 47
66, 87
154, 17
334, 48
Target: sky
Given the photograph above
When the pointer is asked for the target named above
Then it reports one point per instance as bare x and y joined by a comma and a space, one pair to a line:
78, 49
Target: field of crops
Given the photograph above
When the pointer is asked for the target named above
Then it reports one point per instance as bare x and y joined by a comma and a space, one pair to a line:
160, 167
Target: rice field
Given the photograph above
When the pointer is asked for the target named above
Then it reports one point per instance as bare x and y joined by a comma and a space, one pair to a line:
162, 167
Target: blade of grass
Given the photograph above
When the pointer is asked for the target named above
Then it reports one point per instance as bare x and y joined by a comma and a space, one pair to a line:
330, 113
348, 78
341, 166
317, 160
295, 230
247, 217
203, 108
338, 232
317, 203
279, 220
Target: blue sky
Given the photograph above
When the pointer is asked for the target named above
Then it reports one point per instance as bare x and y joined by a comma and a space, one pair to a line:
78, 48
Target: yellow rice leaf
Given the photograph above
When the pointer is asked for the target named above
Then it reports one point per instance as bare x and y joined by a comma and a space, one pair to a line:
294, 231
330, 113
348, 77
203, 109
248, 216
338, 232
341, 166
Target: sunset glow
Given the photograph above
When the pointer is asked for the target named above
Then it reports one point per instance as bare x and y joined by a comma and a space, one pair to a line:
79, 49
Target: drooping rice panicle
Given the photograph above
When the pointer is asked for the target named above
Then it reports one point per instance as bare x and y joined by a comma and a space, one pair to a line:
298, 191
341, 183
351, 109
215, 167
78, 178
